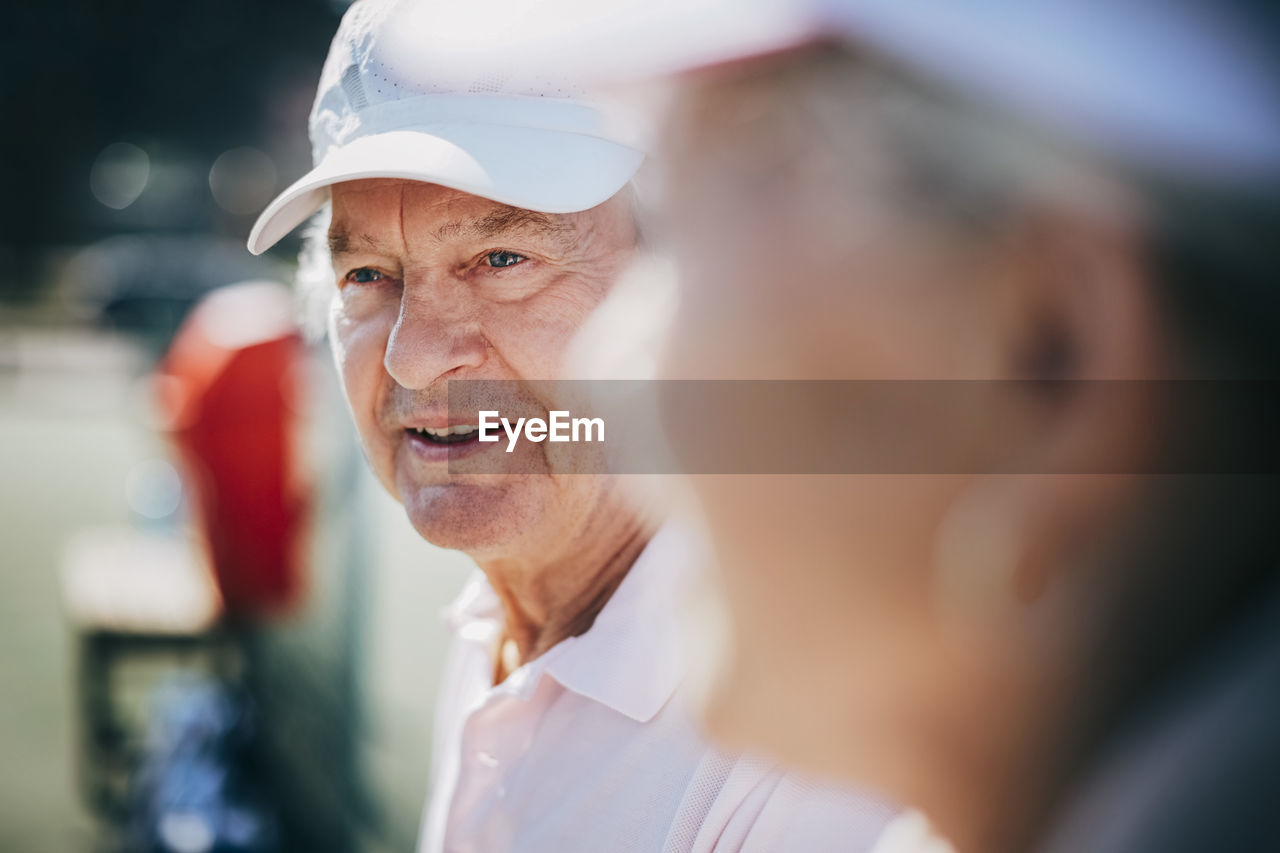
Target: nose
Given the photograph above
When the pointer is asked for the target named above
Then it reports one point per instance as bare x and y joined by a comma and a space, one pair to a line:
435, 334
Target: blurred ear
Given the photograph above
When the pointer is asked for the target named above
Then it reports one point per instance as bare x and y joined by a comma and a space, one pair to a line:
1078, 318
1078, 299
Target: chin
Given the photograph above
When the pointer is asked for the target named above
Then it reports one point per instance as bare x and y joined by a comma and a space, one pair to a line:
474, 519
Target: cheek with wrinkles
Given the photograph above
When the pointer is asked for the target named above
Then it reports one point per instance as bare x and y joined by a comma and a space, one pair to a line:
358, 348
573, 297
534, 335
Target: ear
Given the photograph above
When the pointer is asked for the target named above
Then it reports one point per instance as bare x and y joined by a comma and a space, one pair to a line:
1077, 317
1078, 300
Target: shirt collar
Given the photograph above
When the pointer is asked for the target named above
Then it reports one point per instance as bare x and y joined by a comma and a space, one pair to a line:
631, 660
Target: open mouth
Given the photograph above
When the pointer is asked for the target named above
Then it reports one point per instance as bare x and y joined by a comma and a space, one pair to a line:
458, 434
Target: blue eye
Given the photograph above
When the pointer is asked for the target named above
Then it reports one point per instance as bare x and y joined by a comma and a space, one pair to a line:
364, 275
503, 258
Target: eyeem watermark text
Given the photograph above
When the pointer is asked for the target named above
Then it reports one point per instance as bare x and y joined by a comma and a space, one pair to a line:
559, 427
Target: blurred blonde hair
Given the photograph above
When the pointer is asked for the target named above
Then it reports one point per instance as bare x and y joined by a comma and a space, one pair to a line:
314, 281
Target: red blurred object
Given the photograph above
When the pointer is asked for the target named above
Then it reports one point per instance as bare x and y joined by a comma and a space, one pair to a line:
229, 386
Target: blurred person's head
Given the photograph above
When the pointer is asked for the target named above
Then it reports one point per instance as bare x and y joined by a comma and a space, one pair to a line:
959, 639
470, 218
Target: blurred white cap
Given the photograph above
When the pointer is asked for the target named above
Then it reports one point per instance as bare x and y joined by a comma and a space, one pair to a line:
404, 94
1185, 85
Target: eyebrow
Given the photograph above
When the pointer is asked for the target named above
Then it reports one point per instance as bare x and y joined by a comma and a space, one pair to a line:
342, 241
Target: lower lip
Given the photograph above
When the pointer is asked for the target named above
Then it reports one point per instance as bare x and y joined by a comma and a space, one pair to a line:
429, 451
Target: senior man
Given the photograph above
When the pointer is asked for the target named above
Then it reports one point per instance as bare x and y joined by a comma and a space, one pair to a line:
477, 218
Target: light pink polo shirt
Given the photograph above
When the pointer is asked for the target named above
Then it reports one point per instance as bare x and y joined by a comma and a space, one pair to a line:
590, 747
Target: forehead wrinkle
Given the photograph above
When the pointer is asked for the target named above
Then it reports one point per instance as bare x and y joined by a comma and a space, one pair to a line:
506, 220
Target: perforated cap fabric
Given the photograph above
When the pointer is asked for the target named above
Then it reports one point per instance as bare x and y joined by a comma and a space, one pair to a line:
388, 107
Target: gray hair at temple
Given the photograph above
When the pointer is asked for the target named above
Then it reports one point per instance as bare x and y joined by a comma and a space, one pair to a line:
314, 283
944, 161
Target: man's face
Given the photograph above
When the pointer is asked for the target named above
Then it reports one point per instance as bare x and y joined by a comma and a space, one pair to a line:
434, 285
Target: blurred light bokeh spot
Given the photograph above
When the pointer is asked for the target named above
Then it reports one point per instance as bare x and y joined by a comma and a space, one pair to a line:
119, 175
247, 313
186, 832
242, 180
153, 489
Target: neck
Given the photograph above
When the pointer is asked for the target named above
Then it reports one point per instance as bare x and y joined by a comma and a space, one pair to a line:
559, 592
994, 791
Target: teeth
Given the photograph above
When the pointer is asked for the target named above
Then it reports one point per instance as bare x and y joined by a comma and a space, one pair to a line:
459, 429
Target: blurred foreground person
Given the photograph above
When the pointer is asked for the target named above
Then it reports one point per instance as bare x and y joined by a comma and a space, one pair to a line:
1062, 650
1069, 638
478, 216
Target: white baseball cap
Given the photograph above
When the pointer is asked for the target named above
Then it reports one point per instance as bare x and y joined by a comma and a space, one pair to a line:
395, 103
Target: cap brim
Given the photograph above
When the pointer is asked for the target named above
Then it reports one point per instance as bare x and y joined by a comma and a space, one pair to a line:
535, 169
1182, 87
